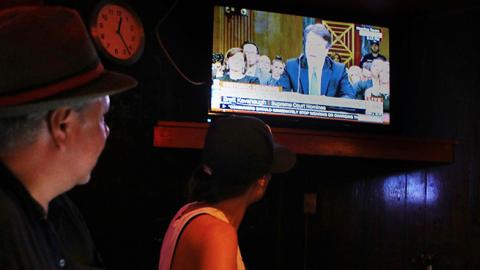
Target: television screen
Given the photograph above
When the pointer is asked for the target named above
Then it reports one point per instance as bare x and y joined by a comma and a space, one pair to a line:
292, 66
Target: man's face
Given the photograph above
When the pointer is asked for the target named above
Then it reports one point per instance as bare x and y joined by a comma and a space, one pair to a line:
90, 134
315, 47
375, 48
355, 74
251, 52
264, 63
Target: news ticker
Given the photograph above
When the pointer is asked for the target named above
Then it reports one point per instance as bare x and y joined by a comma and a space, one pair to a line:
282, 107
241, 97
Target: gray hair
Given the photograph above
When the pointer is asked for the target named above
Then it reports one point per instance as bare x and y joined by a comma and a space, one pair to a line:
22, 130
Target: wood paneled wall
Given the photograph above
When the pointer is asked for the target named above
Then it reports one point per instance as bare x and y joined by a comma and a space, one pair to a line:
274, 36
231, 31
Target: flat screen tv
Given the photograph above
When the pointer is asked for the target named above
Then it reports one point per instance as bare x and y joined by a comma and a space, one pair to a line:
289, 66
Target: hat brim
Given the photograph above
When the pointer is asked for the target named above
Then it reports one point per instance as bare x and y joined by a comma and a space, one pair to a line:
109, 83
283, 159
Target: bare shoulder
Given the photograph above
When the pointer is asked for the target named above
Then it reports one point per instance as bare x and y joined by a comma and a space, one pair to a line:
208, 230
208, 243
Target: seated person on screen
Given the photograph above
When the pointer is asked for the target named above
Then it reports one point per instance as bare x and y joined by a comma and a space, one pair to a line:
356, 79
278, 68
314, 72
252, 53
380, 71
217, 65
264, 67
235, 68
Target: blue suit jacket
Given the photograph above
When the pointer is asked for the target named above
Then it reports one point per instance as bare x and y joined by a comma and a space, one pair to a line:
335, 81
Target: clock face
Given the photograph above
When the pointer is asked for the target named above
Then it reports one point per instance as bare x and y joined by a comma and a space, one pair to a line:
118, 32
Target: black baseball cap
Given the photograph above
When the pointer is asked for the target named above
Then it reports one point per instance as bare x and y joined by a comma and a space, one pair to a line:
244, 145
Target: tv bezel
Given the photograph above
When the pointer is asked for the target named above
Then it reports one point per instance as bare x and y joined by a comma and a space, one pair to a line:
322, 123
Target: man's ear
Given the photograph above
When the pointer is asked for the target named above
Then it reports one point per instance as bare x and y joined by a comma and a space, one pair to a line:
260, 188
59, 123
262, 182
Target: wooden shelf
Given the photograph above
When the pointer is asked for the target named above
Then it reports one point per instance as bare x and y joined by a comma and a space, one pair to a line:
338, 144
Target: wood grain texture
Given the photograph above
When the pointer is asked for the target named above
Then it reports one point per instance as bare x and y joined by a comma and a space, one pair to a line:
191, 135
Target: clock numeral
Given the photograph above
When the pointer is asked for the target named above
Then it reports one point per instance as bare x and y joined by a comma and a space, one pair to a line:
108, 45
102, 36
119, 13
100, 25
116, 51
104, 16
110, 11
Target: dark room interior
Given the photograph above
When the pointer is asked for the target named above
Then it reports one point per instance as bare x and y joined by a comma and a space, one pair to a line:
400, 197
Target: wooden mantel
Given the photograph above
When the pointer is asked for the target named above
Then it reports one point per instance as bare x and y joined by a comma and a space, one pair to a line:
339, 144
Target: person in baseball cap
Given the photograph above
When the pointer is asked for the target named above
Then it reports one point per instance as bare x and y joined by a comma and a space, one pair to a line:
239, 158
54, 93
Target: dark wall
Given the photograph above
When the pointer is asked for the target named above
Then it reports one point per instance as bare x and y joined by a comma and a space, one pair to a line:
371, 214
410, 215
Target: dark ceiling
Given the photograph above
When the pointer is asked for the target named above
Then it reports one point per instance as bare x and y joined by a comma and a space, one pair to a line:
382, 8
391, 6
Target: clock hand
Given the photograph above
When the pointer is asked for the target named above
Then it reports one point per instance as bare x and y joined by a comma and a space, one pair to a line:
121, 36
119, 25
124, 43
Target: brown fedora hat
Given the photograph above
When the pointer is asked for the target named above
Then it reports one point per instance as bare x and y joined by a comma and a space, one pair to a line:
47, 59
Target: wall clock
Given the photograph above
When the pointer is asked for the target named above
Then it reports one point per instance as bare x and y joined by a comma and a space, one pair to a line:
118, 32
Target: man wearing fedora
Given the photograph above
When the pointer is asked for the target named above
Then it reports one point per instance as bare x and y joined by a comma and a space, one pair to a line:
54, 93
